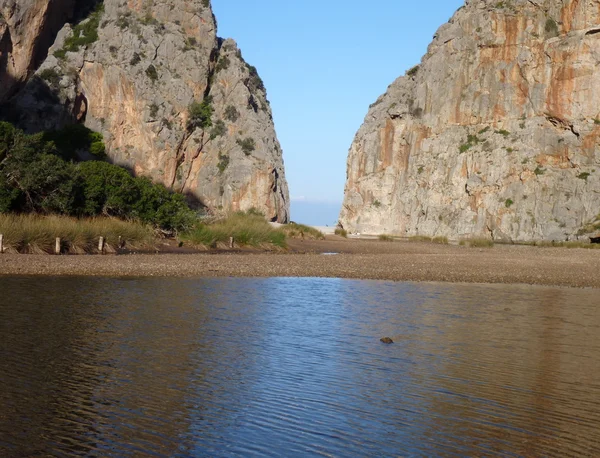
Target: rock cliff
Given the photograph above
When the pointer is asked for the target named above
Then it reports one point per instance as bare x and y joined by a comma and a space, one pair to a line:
173, 101
21, 51
496, 133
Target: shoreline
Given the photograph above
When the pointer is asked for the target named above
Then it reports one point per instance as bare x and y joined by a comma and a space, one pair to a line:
369, 260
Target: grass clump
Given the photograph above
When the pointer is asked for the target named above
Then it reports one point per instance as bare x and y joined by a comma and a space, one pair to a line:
295, 230
385, 238
246, 228
559, 244
29, 233
341, 232
441, 240
478, 243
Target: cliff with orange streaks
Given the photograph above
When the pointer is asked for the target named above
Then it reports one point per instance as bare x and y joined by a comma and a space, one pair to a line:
173, 101
495, 134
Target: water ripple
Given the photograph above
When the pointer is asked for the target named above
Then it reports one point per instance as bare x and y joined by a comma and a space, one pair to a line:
294, 367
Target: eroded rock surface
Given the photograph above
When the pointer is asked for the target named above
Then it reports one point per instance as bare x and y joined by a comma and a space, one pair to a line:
135, 83
27, 29
495, 134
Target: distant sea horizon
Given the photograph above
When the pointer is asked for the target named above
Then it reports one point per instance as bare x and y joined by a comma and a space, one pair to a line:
315, 213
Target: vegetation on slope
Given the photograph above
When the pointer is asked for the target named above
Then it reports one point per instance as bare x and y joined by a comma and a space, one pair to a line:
247, 228
38, 174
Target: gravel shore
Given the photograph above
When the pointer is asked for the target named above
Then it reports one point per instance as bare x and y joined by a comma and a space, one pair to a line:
399, 261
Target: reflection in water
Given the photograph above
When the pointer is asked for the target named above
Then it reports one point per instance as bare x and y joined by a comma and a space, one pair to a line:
294, 367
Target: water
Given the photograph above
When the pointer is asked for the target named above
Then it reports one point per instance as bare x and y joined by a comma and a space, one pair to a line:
294, 367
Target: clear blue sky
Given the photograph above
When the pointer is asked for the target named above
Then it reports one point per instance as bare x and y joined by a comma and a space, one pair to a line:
323, 63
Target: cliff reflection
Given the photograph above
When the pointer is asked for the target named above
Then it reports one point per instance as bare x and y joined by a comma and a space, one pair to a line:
294, 367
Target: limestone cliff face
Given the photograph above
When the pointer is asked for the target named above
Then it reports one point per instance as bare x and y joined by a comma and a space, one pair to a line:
27, 29
496, 133
135, 83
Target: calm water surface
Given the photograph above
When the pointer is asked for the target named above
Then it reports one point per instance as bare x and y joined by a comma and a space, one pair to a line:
294, 367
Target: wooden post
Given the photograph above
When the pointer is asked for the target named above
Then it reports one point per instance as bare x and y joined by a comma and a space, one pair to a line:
101, 245
1, 243
230, 242
57, 246
119, 245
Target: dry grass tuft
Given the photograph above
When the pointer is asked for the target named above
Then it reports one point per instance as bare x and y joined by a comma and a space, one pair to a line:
341, 232
295, 230
37, 234
478, 243
246, 229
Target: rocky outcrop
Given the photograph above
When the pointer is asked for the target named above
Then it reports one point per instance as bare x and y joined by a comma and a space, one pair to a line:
27, 29
173, 101
496, 133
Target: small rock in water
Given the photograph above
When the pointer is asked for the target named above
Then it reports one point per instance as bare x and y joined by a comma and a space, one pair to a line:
387, 340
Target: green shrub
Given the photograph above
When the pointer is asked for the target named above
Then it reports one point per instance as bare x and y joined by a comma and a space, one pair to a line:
385, 238
76, 137
136, 59
51, 76
413, 71
223, 162
508, 203
254, 82
200, 114
231, 113
218, 130
583, 176
110, 190
539, 171
34, 177
153, 110
152, 73
60, 54
124, 20
247, 144
464, 147
86, 32
473, 139
504, 133
222, 64
551, 28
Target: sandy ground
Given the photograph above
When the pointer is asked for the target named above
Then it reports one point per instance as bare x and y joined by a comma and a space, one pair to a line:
364, 259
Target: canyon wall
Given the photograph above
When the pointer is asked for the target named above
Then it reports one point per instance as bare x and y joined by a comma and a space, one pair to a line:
495, 134
173, 101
